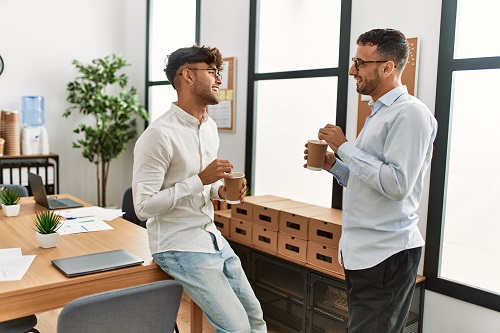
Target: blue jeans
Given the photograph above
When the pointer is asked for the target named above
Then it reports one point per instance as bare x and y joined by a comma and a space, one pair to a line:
379, 298
218, 284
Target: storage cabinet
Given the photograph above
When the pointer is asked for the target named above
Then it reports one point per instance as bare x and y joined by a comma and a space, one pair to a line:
13, 170
299, 299
282, 291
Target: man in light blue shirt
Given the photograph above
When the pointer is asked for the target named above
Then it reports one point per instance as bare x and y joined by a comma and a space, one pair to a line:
383, 172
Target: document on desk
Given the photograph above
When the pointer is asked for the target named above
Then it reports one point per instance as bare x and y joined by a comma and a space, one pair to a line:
93, 211
82, 224
13, 265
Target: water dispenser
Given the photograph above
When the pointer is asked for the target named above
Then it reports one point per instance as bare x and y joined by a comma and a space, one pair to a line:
34, 137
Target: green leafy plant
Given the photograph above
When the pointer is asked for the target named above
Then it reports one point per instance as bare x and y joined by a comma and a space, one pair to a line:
114, 115
9, 196
47, 222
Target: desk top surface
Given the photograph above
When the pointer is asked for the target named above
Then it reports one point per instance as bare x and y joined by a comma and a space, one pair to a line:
42, 277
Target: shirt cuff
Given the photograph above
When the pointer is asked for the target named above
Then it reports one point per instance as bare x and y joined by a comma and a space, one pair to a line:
215, 190
194, 184
347, 151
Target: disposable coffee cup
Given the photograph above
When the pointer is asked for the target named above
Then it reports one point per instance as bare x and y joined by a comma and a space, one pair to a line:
233, 187
316, 154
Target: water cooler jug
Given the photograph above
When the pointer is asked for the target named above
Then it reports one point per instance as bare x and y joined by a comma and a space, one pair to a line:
34, 137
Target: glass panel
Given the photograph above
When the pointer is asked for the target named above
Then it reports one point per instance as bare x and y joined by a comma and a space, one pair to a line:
287, 115
470, 246
293, 35
165, 36
477, 29
160, 99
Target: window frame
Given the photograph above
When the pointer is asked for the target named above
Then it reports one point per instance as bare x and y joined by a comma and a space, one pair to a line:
150, 83
342, 72
447, 64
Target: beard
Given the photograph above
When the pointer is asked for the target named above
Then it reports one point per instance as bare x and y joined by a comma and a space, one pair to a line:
367, 86
205, 95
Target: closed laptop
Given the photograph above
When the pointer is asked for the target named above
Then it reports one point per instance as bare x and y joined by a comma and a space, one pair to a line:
96, 262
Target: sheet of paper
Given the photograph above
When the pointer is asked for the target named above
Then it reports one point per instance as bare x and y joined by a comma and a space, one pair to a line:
94, 211
13, 265
9, 253
83, 224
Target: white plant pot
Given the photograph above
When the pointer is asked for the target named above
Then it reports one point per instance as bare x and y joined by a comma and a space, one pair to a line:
11, 210
46, 241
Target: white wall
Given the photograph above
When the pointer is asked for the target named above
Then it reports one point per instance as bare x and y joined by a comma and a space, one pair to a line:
225, 24
38, 41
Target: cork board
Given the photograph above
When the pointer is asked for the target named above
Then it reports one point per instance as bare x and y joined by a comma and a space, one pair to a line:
223, 113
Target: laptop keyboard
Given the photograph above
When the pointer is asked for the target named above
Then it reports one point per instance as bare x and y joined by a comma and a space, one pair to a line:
57, 204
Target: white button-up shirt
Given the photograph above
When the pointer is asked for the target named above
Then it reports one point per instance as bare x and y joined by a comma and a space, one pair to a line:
384, 173
167, 190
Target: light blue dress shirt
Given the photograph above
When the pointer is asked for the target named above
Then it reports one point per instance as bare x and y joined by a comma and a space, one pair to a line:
383, 173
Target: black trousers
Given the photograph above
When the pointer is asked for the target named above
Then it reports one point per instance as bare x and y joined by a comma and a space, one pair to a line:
379, 297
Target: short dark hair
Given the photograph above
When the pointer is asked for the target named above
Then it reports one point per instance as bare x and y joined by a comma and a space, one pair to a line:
391, 45
191, 55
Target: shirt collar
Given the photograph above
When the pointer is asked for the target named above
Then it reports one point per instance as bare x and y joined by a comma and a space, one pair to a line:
387, 99
187, 117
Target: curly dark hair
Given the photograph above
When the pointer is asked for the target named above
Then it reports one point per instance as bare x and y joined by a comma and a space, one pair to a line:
191, 55
391, 45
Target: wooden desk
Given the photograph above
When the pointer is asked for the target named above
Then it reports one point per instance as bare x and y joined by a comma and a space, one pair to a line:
44, 288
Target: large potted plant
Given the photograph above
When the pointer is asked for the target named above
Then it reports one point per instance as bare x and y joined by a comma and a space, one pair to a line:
10, 201
46, 225
101, 92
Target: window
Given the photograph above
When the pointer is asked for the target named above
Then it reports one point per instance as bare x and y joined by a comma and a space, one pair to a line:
298, 72
164, 37
462, 249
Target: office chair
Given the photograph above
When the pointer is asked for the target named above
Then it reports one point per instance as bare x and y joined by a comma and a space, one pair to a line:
19, 325
28, 323
21, 190
128, 208
149, 307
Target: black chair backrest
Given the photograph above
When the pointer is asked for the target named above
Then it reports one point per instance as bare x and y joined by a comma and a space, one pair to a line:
128, 208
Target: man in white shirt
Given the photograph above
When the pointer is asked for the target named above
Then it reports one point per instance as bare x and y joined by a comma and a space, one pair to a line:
383, 172
176, 175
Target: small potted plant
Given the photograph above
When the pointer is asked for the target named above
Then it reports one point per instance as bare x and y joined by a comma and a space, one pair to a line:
10, 201
46, 225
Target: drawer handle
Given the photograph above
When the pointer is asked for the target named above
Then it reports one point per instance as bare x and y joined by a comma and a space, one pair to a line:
241, 211
264, 218
292, 225
264, 239
324, 258
241, 231
325, 234
292, 248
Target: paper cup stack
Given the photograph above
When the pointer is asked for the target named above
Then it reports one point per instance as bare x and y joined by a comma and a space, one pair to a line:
10, 132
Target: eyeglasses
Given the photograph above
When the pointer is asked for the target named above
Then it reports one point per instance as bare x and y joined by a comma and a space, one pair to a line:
216, 73
358, 62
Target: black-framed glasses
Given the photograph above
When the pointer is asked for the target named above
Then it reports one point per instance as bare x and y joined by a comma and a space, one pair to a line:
358, 62
216, 73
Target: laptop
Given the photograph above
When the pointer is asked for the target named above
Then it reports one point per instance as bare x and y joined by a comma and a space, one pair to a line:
38, 190
96, 262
